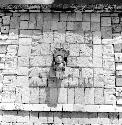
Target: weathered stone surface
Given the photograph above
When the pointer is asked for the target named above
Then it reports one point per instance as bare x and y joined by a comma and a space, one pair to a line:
99, 97
23, 61
89, 95
95, 17
88, 38
86, 26
115, 20
118, 66
14, 22
116, 28
24, 16
74, 49
24, 24
105, 21
95, 26
118, 57
6, 20
97, 37
118, 48
119, 81
106, 32
73, 82
25, 41
5, 29
70, 95
72, 61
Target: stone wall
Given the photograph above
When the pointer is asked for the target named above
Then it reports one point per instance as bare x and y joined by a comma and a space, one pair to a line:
93, 75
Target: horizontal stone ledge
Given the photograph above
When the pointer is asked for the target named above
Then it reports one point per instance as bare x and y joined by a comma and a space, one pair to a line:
61, 107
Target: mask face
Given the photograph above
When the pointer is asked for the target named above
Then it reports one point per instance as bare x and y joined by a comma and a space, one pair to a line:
59, 59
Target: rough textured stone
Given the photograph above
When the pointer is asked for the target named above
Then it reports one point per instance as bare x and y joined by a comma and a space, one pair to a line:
5, 29
70, 95
24, 24
119, 81
105, 21
116, 28
95, 17
95, 26
25, 41
74, 50
6, 20
86, 26
115, 20
23, 61
106, 32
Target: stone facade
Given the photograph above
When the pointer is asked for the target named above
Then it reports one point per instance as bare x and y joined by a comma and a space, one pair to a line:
93, 75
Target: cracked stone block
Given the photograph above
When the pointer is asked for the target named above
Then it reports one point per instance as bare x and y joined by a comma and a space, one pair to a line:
3, 49
24, 50
116, 28
25, 41
85, 50
86, 62
79, 96
5, 29
109, 96
106, 32
23, 61
14, 23
24, 24
115, 20
34, 95
25, 95
6, 20
105, 21
96, 37
95, 17
99, 97
86, 16
86, 26
24, 16
62, 95
89, 95
70, 95
74, 50
119, 81
95, 26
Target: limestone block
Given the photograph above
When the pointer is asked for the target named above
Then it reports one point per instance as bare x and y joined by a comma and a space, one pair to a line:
105, 21
109, 64
2, 66
47, 37
95, 17
87, 72
54, 25
61, 26
13, 34
97, 37
119, 81
25, 41
9, 80
9, 116
78, 36
5, 29
43, 117
70, 95
95, 26
114, 118
66, 118
73, 82
118, 48
14, 22
24, 50
93, 118
3, 49
12, 50
22, 116
48, 60
118, 57
109, 81
72, 61
106, 32
71, 17
89, 95
118, 66
103, 118
24, 24
46, 26
77, 26
116, 28
22, 71
70, 25
25, 95
57, 118
97, 51
97, 62
23, 61
59, 37
45, 49
39, 21
86, 26
34, 117
6, 20
32, 25
99, 97
115, 20
42, 95
74, 50
108, 50
24, 16
34, 95
26, 33
85, 50
79, 96
109, 96
62, 95
86, 16
18, 95
63, 16
10, 62
70, 37
119, 73
88, 38
120, 117
86, 62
